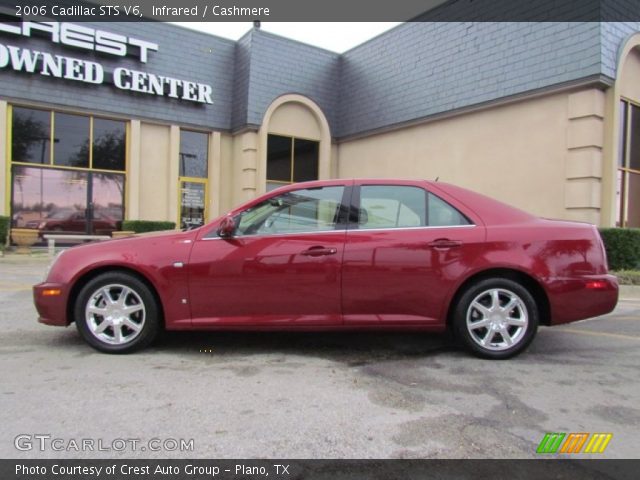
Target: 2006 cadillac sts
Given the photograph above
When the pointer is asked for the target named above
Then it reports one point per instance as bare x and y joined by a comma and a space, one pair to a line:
340, 255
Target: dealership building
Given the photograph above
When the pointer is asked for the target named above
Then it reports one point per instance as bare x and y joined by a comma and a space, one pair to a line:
101, 122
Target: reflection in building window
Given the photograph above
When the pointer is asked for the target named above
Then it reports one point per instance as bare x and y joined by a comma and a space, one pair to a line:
194, 148
107, 199
291, 160
31, 135
109, 144
628, 179
40, 194
82, 198
71, 140
58, 201
33, 132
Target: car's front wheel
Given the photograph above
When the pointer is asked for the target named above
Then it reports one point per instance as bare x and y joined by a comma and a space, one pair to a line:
117, 313
496, 318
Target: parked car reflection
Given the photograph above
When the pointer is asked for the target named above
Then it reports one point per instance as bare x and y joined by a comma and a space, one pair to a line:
74, 221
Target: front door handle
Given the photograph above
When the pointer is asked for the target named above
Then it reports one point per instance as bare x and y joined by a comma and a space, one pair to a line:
444, 243
318, 251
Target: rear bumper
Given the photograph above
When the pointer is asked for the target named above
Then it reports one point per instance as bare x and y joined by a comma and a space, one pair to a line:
51, 308
573, 299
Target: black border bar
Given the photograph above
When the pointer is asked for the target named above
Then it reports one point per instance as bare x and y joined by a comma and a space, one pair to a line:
277, 469
324, 11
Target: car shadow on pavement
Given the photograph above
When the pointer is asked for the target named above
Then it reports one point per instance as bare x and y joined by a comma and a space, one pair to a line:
353, 348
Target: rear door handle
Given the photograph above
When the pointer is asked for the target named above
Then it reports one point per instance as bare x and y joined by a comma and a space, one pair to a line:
444, 243
319, 251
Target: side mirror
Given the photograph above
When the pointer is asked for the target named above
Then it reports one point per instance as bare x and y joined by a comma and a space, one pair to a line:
227, 227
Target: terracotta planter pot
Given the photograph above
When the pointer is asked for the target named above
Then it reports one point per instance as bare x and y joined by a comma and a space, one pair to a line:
24, 238
122, 233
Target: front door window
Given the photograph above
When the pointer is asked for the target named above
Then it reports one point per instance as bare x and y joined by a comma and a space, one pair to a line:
307, 210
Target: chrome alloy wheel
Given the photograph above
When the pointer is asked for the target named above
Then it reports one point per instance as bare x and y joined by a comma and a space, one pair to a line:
497, 319
115, 314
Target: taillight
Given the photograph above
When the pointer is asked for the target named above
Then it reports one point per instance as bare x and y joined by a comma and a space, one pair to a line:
597, 285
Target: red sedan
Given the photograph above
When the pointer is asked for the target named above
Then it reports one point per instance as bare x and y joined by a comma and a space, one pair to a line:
340, 255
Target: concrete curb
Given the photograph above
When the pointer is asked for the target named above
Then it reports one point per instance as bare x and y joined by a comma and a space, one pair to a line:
17, 259
630, 292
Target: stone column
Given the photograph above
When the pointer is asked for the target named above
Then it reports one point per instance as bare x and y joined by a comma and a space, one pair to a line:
249, 165
585, 139
5, 175
132, 200
215, 170
173, 186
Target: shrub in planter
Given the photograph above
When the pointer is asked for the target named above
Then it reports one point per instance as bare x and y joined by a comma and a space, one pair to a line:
628, 277
623, 247
143, 226
4, 231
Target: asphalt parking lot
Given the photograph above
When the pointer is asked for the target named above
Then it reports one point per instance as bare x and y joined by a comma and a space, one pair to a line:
285, 395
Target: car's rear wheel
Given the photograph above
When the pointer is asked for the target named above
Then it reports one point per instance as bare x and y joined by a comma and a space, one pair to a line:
117, 313
496, 318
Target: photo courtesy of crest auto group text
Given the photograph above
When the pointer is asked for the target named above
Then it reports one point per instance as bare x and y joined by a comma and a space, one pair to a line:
269, 239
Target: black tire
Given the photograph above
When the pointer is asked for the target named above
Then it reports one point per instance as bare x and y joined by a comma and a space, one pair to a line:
130, 322
509, 312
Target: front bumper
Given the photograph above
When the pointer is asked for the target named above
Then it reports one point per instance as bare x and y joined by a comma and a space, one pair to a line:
51, 307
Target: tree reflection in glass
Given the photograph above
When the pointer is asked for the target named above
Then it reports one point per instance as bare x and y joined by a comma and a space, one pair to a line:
108, 144
31, 135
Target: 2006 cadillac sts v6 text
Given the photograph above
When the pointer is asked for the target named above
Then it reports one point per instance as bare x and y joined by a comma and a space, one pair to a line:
340, 254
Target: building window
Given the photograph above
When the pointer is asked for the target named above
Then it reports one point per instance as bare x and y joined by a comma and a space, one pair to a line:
31, 137
628, 188
193, 171
291, 160
79, 141
67, 172
67, 201
109, 144
71, 135
194, 153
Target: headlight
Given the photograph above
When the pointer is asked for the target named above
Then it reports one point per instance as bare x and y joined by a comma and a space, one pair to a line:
42, 225
51, 264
